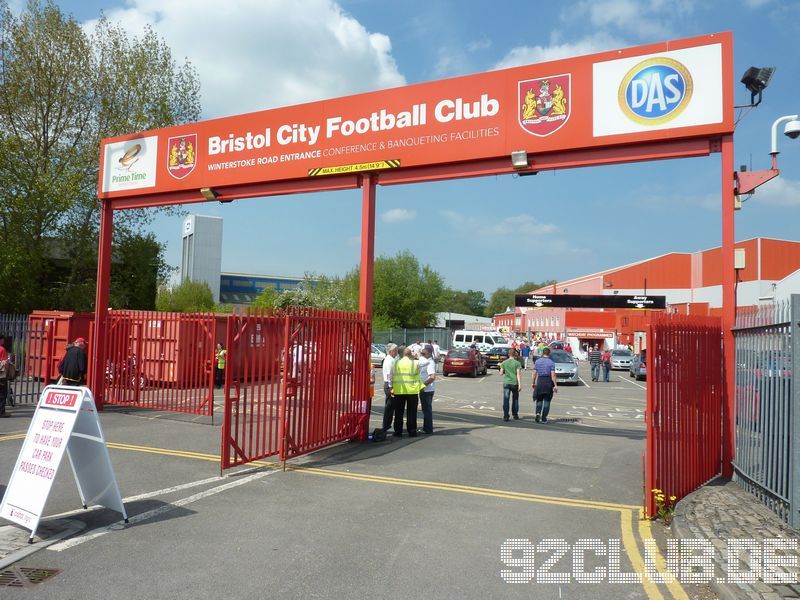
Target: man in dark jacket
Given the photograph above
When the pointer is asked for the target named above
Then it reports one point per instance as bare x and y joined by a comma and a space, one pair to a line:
73, 366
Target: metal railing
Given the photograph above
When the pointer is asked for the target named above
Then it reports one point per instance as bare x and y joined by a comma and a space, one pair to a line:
766, 421
684, 404
25, 346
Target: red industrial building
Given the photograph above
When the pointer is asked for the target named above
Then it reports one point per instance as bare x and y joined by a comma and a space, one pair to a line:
767, 270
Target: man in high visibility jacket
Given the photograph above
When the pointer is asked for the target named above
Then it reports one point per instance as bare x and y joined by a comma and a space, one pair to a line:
405, 393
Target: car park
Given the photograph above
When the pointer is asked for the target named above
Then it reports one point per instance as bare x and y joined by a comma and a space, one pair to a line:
496, 355
621, 359
464, 361
378, 353
638, 367
566, 367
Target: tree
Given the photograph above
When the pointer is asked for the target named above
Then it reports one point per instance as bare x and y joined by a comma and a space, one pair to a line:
138, 268
61, 91
471, 302
189, 296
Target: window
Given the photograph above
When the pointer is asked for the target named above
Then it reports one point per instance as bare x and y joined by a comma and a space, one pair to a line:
467, 338
478, 339
459, 337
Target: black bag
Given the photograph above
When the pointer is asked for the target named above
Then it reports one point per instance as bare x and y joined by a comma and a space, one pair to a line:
379, 435
11, 371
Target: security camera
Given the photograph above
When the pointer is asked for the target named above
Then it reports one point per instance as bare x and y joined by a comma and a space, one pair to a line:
792, 129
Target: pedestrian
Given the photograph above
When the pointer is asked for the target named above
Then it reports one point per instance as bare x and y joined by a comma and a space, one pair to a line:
605, 360
405, 393
526, 352
72, 365
4, 359
415, 348
512, 381
544, 385
388, 411
595, 358
568, 348
437, 354
427, 375
220, 356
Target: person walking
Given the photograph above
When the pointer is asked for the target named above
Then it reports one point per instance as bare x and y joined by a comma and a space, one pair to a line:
405, 393
72, 365
605, 361
427, 375
437, 353
512, 381
220, 355
526, 352
4, 359
388, 362
544, 385
595, 358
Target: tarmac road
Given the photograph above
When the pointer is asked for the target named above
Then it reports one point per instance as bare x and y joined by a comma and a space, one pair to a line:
429, 517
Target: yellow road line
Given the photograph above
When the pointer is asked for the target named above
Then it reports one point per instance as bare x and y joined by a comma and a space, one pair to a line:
13, 436
645, 532
629, 543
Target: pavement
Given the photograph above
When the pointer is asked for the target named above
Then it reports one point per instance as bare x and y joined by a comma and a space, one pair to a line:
479, 509
721, 512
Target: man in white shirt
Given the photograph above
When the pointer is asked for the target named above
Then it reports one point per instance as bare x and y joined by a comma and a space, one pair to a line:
388, 363
427, 374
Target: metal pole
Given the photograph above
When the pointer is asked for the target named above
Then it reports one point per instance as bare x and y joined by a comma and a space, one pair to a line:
101, 302
794, 415
367, 244
728, 306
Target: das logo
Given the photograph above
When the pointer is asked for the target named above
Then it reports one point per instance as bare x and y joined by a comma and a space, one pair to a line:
544, 104
181, 155
655, 91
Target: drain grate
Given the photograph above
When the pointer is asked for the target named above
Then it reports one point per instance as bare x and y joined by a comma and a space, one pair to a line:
25, 576
565, 420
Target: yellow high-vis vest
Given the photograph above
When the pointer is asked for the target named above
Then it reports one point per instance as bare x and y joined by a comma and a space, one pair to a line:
405, 377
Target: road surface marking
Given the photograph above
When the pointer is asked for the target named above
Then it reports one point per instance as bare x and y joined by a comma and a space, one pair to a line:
100, 531
645, 533
644, 387
629, 543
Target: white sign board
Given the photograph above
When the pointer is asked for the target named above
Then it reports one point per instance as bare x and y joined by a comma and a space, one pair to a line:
65, 419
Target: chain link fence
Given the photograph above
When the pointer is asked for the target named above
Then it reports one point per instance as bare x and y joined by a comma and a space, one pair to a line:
767, 427
403, 337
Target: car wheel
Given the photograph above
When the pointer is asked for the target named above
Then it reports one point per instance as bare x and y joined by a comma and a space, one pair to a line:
630, 374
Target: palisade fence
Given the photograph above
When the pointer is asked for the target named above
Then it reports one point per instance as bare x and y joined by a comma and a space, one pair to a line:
767, 432
403, 337
24, 347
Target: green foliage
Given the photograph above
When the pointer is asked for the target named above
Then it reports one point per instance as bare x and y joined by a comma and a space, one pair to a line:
189, 296
62, 90
137, 268
470, 302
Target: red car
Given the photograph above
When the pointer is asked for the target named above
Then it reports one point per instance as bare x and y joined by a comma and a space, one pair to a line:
465, 361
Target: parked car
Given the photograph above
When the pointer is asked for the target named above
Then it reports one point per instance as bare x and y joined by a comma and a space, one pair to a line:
566, 367
377, 355
638, 367
464, 361
621, 359
496, 355
557, 345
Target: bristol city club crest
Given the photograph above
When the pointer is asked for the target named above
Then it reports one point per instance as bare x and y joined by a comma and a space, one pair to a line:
544, 104
181, 155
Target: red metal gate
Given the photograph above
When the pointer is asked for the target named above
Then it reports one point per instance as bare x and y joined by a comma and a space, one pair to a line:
161, 361
684, 404
297, 382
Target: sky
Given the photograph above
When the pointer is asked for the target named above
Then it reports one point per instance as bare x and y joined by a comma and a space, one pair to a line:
479, 233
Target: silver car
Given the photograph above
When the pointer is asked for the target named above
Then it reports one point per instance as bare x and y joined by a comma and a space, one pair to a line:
566, 367
621, 359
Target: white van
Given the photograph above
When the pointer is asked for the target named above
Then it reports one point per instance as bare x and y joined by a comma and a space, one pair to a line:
484, 340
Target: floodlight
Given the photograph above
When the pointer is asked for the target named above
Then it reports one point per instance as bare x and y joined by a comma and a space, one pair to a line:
756, 79
519, 159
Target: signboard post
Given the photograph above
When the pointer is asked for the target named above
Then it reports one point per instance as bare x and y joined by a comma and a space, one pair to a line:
65, 419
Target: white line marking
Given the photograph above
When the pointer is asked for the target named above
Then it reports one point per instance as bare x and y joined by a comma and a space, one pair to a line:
634, 383
95, 533
584, 382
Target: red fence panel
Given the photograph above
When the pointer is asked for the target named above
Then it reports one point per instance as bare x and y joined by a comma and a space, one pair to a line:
161, 361
684, 404
298, 382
